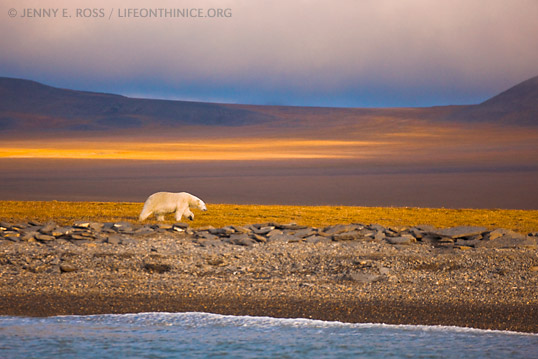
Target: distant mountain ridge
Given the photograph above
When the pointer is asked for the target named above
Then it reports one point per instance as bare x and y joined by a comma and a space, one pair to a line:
28, 106
518, 104
25, 100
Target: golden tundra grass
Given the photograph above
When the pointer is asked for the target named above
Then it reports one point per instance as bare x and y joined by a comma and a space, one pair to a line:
219, 215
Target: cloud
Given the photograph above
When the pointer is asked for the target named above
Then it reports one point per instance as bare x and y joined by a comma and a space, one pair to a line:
280, 50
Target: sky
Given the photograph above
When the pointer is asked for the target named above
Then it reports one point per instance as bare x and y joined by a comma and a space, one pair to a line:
341, 53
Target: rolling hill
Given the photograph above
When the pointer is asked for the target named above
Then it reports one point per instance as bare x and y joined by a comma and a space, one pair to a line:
517, 105
28, 107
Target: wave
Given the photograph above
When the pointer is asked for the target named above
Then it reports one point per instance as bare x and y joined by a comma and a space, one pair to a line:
205, 335
203, 319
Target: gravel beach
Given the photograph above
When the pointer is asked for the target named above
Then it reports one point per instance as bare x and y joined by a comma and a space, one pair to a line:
463, 276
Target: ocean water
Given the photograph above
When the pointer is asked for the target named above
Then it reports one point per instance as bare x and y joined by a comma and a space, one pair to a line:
204, 335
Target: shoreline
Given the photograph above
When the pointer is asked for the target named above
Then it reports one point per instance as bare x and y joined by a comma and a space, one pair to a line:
460, 276
513, 318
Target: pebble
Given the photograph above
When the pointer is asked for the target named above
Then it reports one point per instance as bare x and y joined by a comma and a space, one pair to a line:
67, 267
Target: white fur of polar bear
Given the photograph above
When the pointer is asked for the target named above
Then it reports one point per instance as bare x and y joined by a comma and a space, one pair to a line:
162, 203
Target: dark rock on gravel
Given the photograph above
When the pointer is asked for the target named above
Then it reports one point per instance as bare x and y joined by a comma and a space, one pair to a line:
303, 233
508, 242
318, 239
209, 242
280, 238
403, 239
48, 228
263, 230
290, 226
44, 237
61, 231
346, 236
27, 236
157, 267
81, 224
339, 228
501, 232
67, 267
114, 239
12, 238
181, 225
222, 232
206, 235
144, 230
458, 232
123, 227
240, 240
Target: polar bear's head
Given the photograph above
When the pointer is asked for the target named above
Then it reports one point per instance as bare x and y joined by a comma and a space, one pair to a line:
198, 203
201, 205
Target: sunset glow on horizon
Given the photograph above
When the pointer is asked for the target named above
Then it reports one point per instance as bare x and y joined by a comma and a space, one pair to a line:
239, 149
434, 143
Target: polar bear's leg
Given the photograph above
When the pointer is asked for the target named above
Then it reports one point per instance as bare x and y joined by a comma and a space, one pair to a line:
181, 211
188, 214
160, 217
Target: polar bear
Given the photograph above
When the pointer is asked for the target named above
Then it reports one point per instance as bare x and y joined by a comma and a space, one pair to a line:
162, 203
